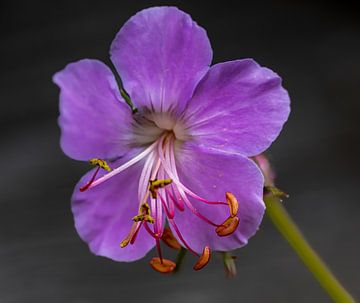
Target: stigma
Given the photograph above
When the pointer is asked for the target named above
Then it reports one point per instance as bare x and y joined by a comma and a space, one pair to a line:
160, 194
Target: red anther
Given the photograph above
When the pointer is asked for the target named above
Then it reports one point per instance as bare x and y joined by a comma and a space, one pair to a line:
228, 227
233, 204
87, 185
169, 239
204, 259
163, 266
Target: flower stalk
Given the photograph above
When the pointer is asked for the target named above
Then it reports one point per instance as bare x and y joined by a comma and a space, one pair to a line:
180, 258
289, 230
128, 100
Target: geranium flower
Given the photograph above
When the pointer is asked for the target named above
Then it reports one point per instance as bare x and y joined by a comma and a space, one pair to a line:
182, 156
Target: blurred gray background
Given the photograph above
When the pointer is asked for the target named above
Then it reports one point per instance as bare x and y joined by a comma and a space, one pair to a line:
314, 47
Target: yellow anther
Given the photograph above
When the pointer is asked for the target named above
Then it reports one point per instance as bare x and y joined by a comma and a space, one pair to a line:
124, 242
144, 214
101, 163
144, 209
138, 218
156, 184
149, 219
130, 235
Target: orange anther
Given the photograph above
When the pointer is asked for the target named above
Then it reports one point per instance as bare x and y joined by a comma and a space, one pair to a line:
169, 239
204, 259
163, 266
233, 204
228, 227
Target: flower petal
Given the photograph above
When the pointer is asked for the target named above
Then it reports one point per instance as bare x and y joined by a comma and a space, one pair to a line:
94, 120
161, 54
238, 106
211, 174
103, 215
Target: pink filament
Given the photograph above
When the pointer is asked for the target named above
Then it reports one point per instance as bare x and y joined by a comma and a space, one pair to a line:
173, 224
170, 168
87, 185
134, 236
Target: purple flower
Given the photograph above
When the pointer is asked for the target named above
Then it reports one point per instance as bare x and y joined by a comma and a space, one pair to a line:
183, 157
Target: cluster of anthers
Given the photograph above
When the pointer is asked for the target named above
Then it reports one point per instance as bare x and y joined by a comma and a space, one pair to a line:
160, 191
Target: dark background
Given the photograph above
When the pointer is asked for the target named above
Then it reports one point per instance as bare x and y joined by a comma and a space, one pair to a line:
315, 48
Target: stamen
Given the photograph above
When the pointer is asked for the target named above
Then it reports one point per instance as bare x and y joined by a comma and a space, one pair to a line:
172, 164
170, 169
87, 185
121, 168
158, 248
156, 184
146, 218
198, 214
133, 238
233, 204
204, 259
178, 201
101, 163
144, 214
171, 204
228, 227
132, 235
172, 222
169, 214
158, 204
162, 265
160, 169
125, 242
148, 229
169, 239
144, 178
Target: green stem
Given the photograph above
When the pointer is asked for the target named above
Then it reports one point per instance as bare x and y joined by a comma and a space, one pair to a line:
127, 99
180, 258
287, 227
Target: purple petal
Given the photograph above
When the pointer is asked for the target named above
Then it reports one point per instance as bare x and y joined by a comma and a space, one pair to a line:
103, 215
211, 174
161, 54
94, 120
238, 106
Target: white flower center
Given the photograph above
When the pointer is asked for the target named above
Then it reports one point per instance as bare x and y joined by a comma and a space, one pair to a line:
150, 126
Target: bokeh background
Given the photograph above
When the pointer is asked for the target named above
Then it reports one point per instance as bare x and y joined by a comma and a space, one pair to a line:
314, 47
